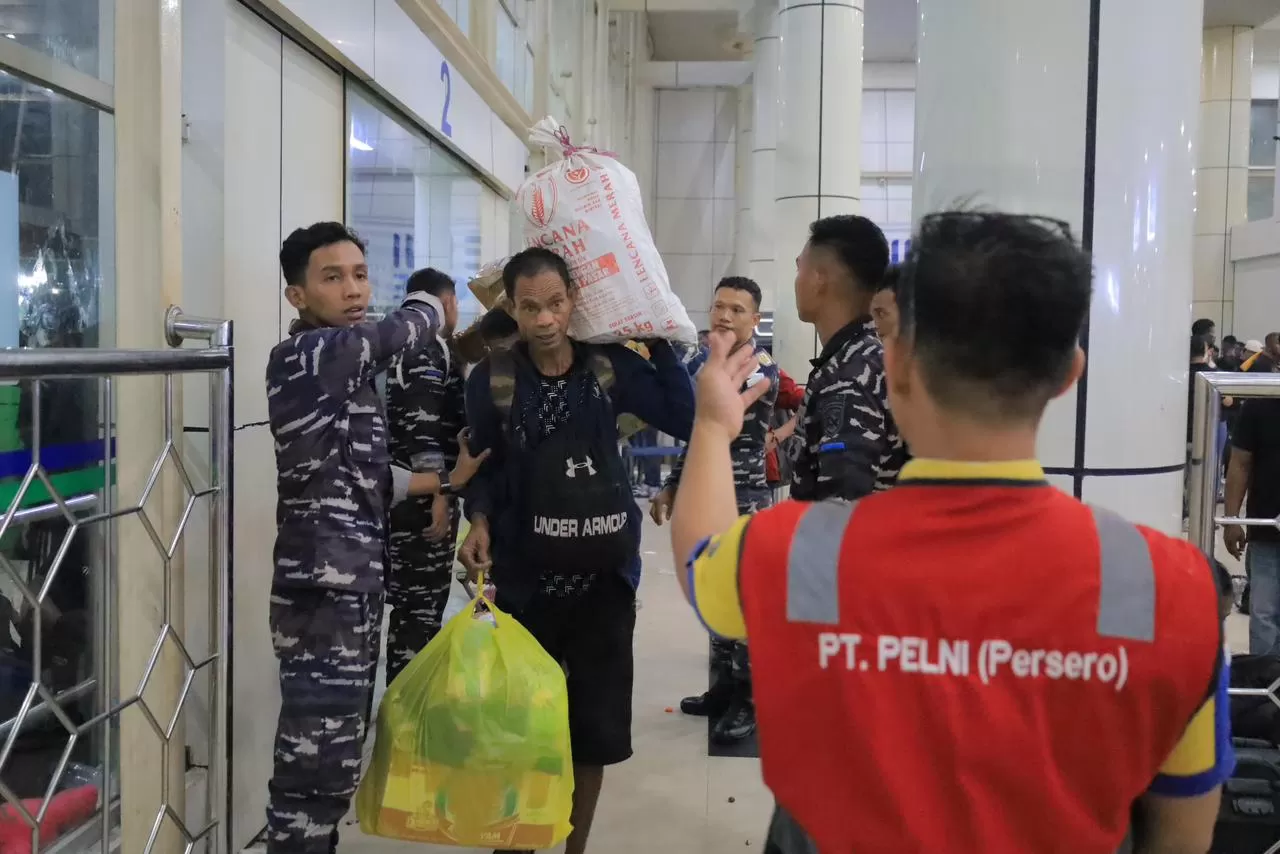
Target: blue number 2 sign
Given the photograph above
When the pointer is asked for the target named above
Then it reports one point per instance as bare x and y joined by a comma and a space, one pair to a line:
445, 127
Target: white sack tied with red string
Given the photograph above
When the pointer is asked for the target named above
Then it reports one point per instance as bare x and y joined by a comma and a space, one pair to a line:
587, 208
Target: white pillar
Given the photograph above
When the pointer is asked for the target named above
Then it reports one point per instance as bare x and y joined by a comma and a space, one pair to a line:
819, 160
742, 190
1222, 174
764, 141
1115, 161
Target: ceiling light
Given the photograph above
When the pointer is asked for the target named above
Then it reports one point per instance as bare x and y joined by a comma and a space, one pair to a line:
10, 35
359, 145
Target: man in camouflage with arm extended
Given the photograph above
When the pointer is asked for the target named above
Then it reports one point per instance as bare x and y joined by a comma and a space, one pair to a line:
736, 308
848, 444
335, 484
425, 412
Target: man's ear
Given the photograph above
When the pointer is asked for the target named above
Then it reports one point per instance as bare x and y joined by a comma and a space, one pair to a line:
293, 293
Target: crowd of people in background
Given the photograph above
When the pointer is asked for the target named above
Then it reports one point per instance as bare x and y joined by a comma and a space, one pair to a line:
952, 356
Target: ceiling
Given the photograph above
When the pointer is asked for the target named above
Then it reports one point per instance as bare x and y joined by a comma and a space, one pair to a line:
1241, 13
889, 34
714, 36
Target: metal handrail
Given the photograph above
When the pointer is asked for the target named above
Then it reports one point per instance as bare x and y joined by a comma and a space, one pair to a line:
180, 327
53, 363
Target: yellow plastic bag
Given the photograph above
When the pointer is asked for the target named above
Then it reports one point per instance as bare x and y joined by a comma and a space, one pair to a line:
472, 745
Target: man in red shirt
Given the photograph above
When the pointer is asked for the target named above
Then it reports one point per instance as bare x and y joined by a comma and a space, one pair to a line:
973, 661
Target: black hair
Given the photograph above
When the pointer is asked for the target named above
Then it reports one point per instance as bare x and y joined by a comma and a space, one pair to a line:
1272, 339
993, 304
1199, 346
857, 243
1203, 326
496, 324
430, 281
531, 262
295, 252
1230, 341
742, 283
889, 281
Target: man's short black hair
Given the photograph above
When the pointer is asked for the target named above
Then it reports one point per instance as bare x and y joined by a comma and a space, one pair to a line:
741, 283
1199, 346
531, 262
295, 252
1203, 326
1230, 341
496, 324
1272, 339
889, 281
858, 244
993, 304
431, 281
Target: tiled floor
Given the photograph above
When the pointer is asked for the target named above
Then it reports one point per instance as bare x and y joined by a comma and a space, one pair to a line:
671, 797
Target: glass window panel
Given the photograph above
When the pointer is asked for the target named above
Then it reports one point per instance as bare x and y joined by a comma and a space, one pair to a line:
508, 58
1262, 133
77, 32
56, 176
1261, 195
414, 204
460, 11
565, 53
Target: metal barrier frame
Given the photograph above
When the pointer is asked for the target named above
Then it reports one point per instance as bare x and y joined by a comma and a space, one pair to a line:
1206, 463
217, 361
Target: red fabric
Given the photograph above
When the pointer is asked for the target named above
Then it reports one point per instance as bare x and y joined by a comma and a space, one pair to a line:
790, 396
66, 811
881, 758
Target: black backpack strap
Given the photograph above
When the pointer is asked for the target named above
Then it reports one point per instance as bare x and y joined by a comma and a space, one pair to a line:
502, 382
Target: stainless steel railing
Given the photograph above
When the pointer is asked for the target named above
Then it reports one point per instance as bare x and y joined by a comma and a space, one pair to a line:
102, 511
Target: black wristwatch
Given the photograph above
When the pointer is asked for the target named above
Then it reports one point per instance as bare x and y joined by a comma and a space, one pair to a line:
446, 488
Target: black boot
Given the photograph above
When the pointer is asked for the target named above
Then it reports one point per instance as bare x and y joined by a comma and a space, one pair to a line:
738, 722
712, 703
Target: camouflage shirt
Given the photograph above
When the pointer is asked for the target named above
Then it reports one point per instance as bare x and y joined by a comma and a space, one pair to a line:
424, 404
748, 449
333, 469
848, 445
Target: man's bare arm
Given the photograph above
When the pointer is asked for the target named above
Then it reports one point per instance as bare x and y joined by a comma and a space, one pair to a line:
1178, 825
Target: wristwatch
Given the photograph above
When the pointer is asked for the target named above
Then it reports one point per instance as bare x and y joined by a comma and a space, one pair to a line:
446, 488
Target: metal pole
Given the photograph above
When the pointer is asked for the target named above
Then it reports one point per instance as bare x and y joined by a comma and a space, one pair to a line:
1202, 485
220, 439
107, 638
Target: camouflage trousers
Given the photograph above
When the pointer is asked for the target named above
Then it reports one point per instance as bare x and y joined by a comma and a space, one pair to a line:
729, 658
418, 583
326, 642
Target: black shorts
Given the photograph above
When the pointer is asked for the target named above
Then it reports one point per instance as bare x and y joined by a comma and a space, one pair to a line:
591, 636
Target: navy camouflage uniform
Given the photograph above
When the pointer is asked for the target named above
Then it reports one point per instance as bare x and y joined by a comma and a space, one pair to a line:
848, 444
750, 486
425, 412
847, 447
335, 487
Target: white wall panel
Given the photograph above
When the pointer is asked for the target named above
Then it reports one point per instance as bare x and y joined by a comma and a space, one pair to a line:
386, 45
313, 147
251, 244
251, 225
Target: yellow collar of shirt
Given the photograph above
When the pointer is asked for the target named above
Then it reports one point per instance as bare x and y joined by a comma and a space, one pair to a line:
1019, 471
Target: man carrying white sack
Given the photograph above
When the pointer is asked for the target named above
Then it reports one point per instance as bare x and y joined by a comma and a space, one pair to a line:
552, 517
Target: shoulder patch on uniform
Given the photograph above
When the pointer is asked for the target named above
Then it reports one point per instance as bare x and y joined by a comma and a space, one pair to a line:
832, 413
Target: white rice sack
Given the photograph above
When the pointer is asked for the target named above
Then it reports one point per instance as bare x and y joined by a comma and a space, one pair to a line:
587, 208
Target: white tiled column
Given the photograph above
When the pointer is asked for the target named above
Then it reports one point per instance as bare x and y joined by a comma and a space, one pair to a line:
1119, 169
742, 190
1222, 173
764, 142
819, 164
